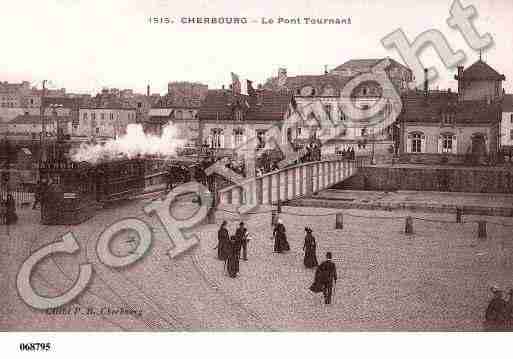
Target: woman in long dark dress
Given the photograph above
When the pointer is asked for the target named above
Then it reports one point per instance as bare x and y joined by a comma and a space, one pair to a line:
223, 237
280, 238
309, 247
232, 261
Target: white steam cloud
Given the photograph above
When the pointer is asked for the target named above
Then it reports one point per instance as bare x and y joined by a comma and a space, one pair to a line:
135, 142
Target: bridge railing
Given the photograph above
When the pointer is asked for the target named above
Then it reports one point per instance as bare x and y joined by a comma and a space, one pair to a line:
289, 183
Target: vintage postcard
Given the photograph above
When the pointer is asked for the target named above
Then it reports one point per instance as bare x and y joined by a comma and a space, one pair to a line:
220, 166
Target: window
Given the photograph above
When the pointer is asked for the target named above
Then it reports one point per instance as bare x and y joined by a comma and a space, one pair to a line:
416, 143
298, 131
327, 108
112, 116
93, 116
364, 91
178, 114
238, 115
511, 118
447, 143
261, 138
289, 134
97, 130
448, 118
102, 116
84, 116
511, 135
216, 137
365, 107
238, 134
363, 132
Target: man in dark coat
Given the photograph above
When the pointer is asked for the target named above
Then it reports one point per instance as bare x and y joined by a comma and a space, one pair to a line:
223, 237
241, 237
325, 278
495, 315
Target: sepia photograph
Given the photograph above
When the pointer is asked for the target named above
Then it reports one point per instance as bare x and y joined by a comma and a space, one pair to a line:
214, 167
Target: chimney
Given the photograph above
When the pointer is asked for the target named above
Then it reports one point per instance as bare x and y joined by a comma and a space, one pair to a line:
459, 77
426, 83
222, 87
148, 90
325, 69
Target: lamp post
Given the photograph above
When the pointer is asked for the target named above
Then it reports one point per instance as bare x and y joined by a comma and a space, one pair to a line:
42, 155
373, 138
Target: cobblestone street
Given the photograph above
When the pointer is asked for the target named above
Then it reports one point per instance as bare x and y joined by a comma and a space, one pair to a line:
435, 279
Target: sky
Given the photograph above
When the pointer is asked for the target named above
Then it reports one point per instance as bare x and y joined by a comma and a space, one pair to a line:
84, 45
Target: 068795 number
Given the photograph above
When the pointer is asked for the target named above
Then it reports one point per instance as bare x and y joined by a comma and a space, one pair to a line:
32, 347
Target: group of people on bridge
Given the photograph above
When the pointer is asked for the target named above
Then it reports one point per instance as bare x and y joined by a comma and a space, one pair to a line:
231, 247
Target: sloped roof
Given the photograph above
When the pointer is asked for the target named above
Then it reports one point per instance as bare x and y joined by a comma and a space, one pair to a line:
480, 70
319, 82
363, 64
428, 109
263, 105
507, 103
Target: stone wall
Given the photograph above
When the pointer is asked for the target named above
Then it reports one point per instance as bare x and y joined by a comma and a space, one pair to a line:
464, 179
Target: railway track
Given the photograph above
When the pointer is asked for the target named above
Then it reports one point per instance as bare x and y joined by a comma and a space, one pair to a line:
151, 323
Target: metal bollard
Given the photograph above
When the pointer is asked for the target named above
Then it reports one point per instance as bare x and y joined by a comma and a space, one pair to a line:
458, 215
339, 221
408, 226
481, 229
274, 217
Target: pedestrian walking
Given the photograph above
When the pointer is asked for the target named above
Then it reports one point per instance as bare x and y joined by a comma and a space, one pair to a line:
242, 240
495, 315
280, 238
39, 192
223, 237
325, 279
232, 260
310, 260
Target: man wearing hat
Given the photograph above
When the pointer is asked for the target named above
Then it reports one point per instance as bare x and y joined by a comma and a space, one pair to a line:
496, 311
241, 237
325, 278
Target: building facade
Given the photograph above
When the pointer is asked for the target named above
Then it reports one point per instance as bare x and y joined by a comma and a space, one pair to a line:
109, 122
30, 126
456, 128
323, 99
228, 119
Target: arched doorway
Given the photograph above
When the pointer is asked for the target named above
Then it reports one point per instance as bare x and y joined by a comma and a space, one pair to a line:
478, 148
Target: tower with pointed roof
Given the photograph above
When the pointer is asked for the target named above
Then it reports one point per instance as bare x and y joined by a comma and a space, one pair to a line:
479, 82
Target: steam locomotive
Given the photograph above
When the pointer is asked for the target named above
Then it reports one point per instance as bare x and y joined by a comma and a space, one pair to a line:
75, 190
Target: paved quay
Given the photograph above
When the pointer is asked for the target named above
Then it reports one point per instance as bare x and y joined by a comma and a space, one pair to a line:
435, 279
498, 204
